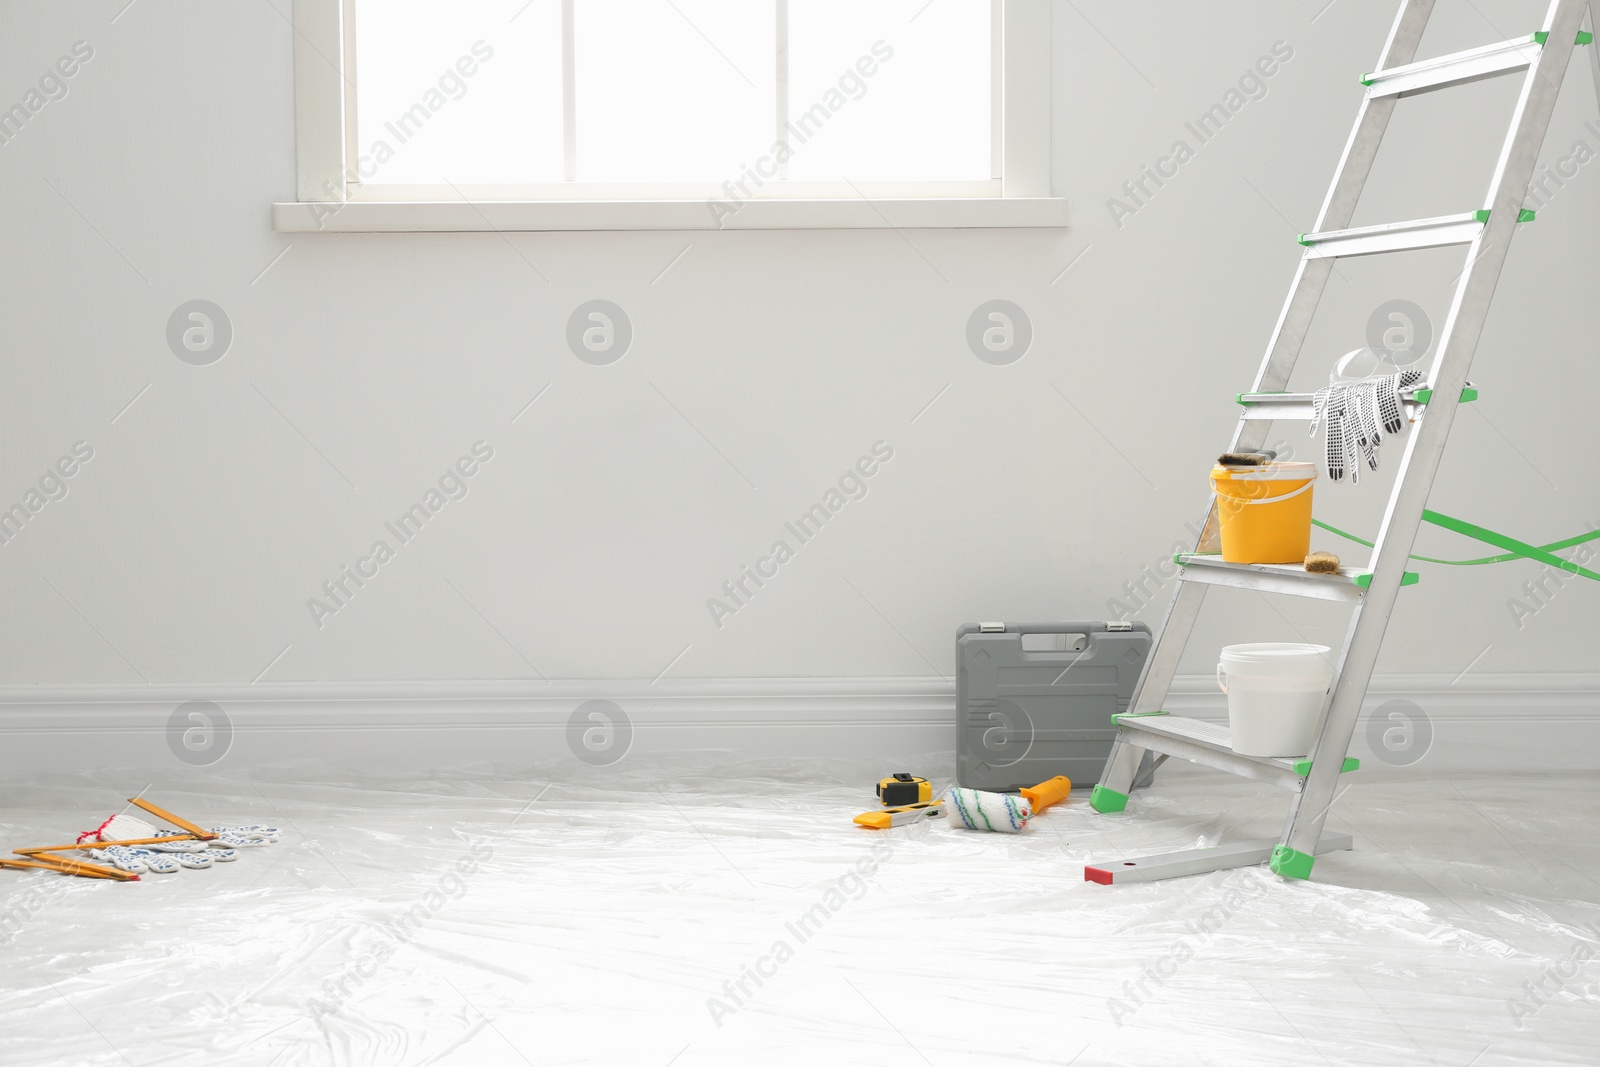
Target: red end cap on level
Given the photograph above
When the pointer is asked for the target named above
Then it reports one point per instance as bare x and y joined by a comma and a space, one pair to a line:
1095, 874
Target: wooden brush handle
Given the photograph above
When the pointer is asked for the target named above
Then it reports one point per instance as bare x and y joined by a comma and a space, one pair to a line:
182, 824
86, 845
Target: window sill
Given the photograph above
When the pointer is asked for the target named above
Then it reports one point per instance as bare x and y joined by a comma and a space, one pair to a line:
371, 216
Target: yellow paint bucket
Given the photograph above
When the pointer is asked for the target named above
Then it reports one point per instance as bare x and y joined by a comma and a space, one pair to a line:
1265, 511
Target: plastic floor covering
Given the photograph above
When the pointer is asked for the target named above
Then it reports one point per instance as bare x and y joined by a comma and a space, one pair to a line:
731, 913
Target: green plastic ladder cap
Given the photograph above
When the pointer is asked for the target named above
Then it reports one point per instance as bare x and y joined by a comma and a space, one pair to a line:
1302, 240
1303, 767
1585, 37
1107, 801
1422, 396
1527, 214
1288, 863
1482, 214
1367, 79
1541, 36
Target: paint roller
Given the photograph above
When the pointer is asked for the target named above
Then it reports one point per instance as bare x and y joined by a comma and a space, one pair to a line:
975, 809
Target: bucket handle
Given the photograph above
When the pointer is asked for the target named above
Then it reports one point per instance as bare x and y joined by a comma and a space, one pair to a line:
1269, 499
1221, 674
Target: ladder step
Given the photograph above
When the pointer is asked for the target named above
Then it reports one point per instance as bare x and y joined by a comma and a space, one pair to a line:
1395, 236
1205, 743
1198, 860
1349, 585
1265, 407
1297, 406
1459, 68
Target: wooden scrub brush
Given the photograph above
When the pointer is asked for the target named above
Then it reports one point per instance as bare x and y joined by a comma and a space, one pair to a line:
1322, 563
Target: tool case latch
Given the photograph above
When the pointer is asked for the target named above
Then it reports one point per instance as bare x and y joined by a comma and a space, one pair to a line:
1119, 627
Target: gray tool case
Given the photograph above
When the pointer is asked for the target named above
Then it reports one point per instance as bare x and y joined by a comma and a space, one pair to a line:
1035, 700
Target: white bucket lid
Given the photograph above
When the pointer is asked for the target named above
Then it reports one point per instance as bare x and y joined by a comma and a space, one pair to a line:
1278, 657
1270, 472
1273, 651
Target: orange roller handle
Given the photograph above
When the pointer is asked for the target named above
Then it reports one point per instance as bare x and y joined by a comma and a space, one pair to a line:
1048, 792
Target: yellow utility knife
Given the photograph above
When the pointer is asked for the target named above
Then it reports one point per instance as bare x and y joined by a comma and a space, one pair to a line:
882, 820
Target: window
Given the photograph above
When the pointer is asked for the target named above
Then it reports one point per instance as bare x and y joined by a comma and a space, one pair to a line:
685, 114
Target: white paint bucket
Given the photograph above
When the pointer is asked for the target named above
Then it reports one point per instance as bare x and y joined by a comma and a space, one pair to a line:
1275, 691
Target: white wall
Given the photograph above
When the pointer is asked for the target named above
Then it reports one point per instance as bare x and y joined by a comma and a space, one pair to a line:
363, 366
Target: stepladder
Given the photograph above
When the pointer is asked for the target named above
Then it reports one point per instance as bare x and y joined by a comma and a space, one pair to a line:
1541, 59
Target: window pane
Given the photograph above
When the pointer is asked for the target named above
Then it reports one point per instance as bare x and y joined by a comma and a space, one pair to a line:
922, 113
422, 118
674, 90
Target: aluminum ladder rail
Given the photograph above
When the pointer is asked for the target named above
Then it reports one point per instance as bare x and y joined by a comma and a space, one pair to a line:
1542, 58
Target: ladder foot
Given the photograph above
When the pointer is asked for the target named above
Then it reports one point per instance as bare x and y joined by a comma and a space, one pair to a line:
1106, 801
1288, 863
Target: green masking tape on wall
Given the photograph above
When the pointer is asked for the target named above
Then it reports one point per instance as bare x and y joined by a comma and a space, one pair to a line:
1517, 549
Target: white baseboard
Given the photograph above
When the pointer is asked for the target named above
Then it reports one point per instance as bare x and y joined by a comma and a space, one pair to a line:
1482, 722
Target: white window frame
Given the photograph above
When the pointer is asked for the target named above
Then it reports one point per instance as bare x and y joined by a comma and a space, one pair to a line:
327, 201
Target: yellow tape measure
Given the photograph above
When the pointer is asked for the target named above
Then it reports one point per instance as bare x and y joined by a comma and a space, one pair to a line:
903, 788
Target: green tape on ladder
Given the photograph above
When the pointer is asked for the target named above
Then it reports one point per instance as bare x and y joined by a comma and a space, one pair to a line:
1518, 549
1499, 540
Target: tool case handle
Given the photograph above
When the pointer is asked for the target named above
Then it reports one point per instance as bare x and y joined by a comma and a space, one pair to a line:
1051, 628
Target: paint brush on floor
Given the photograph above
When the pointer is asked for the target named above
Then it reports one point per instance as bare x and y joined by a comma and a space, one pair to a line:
81, 868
